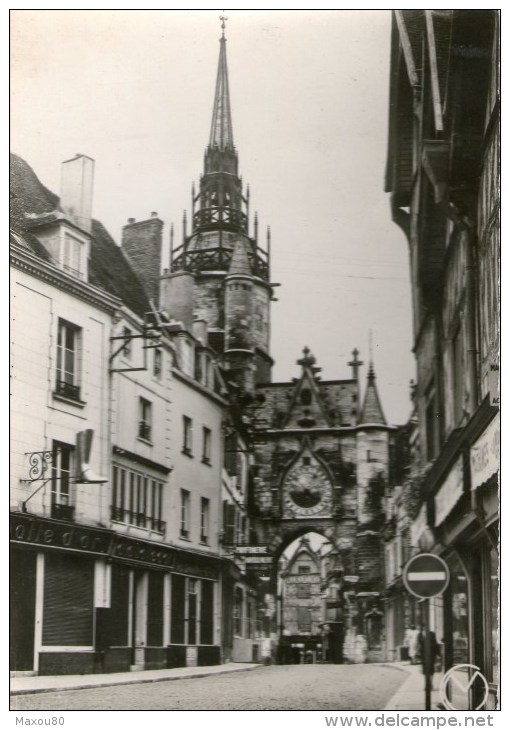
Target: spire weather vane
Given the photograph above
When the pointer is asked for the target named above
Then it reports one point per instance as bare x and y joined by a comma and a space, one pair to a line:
223, 18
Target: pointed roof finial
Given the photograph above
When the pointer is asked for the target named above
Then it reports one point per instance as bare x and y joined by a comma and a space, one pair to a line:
308, 360
355, 364
221, 128
223, 19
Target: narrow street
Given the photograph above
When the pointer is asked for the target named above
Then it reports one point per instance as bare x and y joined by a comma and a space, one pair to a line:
301, 687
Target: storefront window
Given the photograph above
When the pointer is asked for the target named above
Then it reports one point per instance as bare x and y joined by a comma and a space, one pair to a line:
494, 593
459, 612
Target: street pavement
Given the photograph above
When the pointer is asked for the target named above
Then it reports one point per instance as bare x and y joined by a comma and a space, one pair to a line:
228, 687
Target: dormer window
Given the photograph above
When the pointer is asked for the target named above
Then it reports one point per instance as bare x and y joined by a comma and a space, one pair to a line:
67, 245
187, 357
72, 250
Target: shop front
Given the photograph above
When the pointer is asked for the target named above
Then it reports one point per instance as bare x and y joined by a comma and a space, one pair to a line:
464, 512
86, 600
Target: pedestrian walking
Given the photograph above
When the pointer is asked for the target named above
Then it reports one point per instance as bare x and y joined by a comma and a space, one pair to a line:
412, 643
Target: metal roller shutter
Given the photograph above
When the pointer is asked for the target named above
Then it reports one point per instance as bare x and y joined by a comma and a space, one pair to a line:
68, 614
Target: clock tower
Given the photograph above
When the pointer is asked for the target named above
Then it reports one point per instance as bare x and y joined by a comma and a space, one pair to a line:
219, 273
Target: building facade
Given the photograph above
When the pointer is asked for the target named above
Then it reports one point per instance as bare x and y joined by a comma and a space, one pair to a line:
130, 462
300, 604
443, 176
323, 458
117, 454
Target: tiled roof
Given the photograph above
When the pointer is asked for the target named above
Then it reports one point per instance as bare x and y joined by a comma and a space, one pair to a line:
108, 267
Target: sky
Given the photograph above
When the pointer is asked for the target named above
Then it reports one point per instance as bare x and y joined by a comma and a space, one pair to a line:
133, 89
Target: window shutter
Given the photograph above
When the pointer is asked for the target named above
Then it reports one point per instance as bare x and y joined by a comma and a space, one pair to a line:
177, 609
206, 612
229, 516
119, 615
155, 610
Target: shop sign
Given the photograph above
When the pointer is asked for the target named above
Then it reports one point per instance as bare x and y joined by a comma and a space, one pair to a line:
259, 560
141, 552
253, 550
44, 533
450, 492
48, 534
484, 455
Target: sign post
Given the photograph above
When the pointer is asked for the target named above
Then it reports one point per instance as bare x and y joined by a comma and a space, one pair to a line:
426, 576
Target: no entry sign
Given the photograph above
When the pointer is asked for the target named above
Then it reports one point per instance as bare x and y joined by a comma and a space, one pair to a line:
426, 575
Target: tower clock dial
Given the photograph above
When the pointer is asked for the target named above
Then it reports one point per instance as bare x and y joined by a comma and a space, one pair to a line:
306, 490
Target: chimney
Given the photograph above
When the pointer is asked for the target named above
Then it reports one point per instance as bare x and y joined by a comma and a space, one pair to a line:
77, 182
176, 296
142, 241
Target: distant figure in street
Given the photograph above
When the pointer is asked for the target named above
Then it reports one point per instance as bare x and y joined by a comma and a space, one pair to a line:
412, 642
430, 654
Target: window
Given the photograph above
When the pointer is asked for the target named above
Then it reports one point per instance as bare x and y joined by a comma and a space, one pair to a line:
238, 612
145, 422
187, 435
206, 445
137, 499
158, 364
303, 569
68, 347
204, 520
71, 255
304, 590
62, 472
187, 358
304, 619
192, 611
185, 516
306, 397
229, 523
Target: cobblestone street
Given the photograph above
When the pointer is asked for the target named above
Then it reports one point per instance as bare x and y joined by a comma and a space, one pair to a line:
303, 687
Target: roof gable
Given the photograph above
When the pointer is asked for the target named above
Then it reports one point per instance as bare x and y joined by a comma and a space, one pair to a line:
108, 267
306, 408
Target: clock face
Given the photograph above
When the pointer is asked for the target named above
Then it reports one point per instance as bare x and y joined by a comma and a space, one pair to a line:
306, 490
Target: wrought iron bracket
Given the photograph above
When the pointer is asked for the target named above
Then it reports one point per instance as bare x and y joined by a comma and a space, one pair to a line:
151, 336
38, 462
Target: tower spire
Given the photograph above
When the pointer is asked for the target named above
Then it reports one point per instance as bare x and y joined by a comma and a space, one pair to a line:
221, 127
371, 411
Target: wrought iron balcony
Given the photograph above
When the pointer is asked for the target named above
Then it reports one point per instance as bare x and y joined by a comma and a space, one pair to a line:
68, 390
131, 517
62, 511
144, 430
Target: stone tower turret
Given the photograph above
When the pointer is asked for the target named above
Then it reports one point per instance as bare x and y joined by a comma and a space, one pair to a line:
231, 289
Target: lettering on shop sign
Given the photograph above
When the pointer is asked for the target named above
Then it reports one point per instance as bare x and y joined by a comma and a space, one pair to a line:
450, 492
419, 525
140, 552
261, 560
251, 550
484, 455
50, 534
44, 533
